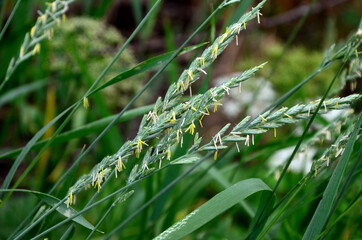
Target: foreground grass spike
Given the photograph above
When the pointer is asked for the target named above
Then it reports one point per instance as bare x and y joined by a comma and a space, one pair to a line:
268, 121
43, 28
333, 152
170, 113
199, 64
169, 127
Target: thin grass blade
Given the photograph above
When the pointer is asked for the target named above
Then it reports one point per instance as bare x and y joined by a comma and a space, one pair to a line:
214, 207
325, 205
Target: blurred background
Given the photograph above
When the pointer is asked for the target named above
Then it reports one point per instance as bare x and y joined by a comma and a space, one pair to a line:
86, 42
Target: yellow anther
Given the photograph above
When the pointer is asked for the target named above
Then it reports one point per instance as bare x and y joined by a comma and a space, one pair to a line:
187, 103
70, 198
85, 103
54, 6
22, 51
244, 23
43, 18
64, 17
264, 119
191, 128
356, 52
215, 155
215, 107
139, 144
193, 108
214, 52
36, 49
202, 61
207, 110
222, 38
275, 132
120, 164
288, 115
169, 153
190, 74
172, 119
32, 31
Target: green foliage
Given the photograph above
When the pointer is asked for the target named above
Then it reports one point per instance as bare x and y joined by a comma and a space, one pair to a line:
168, 179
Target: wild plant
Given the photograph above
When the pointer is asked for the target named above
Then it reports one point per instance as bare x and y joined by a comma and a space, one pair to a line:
176, 116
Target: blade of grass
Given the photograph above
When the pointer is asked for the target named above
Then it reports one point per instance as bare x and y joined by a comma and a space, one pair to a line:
62, 208
145, 34
353, 204
26, 149
217, 175
21, 91
347, 182
137, 10
214, 207
174, 68
8, 22
325, 205
146, 65
160, 193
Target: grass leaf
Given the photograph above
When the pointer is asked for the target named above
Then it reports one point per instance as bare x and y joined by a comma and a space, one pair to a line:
325, 205
214, 207
62, 209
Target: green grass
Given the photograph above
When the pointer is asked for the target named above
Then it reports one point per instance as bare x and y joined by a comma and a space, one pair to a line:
84, 160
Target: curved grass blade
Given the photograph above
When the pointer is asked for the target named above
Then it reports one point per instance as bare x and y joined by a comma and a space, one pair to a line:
62, 209
22, 90
145, 66
27, 148
325, 205
9, 18
353, 204
214, 207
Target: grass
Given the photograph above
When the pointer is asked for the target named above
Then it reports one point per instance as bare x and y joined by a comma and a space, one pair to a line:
79, 176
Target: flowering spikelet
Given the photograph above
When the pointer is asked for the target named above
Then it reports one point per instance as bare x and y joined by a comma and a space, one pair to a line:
139, 144
214, 52
36, 49
191, 128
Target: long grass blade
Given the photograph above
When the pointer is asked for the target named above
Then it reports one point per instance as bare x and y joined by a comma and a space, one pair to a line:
9, 19
214, 207
325, 205
62, 208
